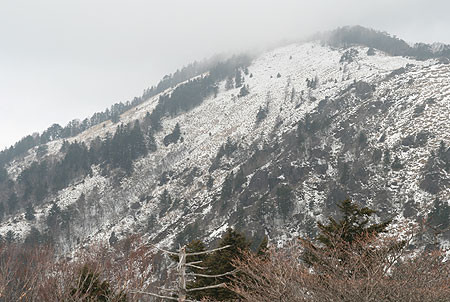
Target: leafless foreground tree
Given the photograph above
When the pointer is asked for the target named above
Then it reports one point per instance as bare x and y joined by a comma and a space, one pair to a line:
369, 270
97, 274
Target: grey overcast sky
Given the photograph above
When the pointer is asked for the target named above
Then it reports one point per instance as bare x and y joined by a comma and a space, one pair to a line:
66, 59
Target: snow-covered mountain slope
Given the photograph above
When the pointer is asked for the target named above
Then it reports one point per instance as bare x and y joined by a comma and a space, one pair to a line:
319, 124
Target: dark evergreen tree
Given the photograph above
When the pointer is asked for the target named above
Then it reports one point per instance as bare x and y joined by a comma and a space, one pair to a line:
193, 247
229, 84
10, 237
261, 115
210, 182
53, 217
353, 224
90, 287
434, 175
53, 132
165, 202
2, 211
362, 139
12, 202
387, 158
293, 92
137, 141
115, 117
263, 246
312, 83
155, 117
220, 262
352, 231
173, 137
284, 198
3, 174
238, 79
113, 239
370, 51
229, 147
239, 180
376, 156
344, 177
245, 90
151, 222
227, 187
42, 150
397, 164
33, 237
29, 212
443, 154
439, 215
151, 143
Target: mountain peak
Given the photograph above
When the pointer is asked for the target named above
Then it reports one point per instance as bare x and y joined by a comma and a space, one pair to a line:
267, 145
359, 35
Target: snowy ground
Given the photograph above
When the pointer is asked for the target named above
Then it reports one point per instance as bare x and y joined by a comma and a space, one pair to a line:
208, 126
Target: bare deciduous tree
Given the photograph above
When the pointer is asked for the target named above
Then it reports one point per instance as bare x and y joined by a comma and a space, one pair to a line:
373, 269
34, 273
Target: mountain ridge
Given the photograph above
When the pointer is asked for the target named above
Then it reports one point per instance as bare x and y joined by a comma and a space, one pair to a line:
308, 133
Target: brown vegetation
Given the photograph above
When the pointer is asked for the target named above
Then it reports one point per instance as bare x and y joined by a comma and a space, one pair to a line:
33, 273
370, 269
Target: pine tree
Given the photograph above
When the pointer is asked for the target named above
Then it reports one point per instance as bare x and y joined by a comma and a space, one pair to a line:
263, 246
151, 222
353, 224
284, 200
138, 143
397, 164
113, 239
220, 262
2, 211
10, 237
193, 247
12, 202
227, 187
350, 232
53, 217
91, 288
173, 137
228, 149
239, 180
439, 215
229, 84
29, 212
238, 79
3, 174
387, 158
165, 202
210, 182
34, 237
261, 114
245, 90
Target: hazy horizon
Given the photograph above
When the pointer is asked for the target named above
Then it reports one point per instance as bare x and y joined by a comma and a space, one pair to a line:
64, 61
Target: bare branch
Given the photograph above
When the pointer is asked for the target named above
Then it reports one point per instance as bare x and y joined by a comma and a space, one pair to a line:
163, 250
212, 276
208, 251
195, 266
194, 262
206, 287
158, 296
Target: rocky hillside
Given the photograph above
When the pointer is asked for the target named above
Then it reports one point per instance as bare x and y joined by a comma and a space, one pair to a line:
266, 145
